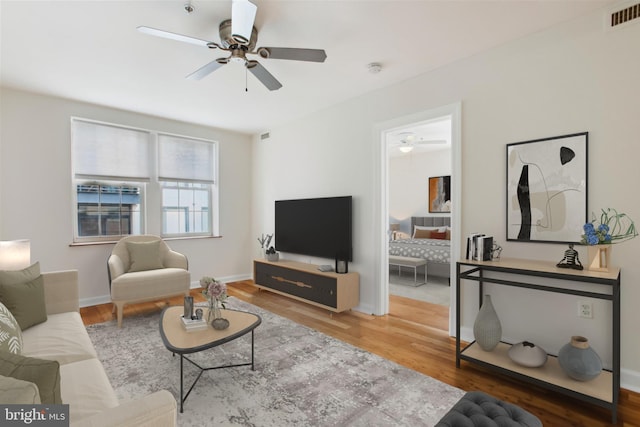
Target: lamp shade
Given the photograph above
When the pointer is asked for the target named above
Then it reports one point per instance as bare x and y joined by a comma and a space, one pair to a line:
15, 254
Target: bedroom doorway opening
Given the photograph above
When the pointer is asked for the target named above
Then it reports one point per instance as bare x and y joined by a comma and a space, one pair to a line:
413, 150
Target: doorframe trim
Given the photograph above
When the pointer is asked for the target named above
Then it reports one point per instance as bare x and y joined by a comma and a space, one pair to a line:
381, 195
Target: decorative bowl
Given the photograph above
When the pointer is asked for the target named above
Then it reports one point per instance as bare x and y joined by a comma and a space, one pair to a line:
528, 354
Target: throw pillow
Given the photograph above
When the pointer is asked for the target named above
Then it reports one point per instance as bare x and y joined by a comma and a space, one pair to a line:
422, 234
436, 235
13, 277
17, 392
10, 333
144, 255
43, 373
25, 301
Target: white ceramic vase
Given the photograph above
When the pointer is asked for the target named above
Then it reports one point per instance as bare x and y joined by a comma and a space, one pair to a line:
487, 329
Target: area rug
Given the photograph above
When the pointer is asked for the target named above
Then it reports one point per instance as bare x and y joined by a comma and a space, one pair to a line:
302, 377
435, 291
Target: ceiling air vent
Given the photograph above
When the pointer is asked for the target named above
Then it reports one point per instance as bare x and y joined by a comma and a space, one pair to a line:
619, 17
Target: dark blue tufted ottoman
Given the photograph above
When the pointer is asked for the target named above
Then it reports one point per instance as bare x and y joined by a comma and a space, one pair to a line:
479, 409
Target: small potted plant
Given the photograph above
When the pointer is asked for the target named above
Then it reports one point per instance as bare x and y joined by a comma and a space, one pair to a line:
272, 255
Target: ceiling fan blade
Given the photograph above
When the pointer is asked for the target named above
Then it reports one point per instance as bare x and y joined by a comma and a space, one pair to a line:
263, 75
243, 15
173, 36
204, 71
431, 141
295, 54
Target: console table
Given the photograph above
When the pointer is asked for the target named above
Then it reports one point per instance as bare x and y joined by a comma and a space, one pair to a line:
304, 282
603, 390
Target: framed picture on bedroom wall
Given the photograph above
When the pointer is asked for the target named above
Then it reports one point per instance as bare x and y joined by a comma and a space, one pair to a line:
547, 189
440, 194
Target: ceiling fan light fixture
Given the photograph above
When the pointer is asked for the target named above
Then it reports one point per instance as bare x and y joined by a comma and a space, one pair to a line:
243, 14
406, 148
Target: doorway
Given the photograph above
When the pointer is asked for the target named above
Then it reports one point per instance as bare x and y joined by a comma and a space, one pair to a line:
419, 174
383, 133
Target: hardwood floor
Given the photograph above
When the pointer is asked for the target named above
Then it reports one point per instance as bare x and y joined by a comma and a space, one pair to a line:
414, 334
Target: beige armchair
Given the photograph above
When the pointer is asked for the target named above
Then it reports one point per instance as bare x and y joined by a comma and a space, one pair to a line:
143, 268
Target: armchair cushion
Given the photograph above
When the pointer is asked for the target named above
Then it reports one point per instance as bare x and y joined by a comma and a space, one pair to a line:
144, 255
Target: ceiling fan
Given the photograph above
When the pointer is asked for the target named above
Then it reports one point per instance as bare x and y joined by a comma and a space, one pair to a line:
408, 140
238, 36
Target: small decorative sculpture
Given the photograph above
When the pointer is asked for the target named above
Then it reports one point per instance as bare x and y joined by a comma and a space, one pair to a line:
570, 259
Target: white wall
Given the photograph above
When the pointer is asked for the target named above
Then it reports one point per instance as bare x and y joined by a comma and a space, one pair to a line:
571, 78
36, 191
409, 184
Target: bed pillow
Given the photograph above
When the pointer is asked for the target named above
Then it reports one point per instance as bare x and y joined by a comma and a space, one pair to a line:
144, 255
44, 373
423, 234
438, 235
420, 227
10, 332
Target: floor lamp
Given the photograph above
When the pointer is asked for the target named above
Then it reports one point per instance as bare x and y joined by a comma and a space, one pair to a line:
15, 254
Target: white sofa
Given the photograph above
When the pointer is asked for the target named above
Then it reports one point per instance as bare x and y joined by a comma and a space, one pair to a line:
161, 272
83, 382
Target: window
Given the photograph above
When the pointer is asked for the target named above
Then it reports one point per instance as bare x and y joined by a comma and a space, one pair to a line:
186, 171
108, 209
114, 171
185, 208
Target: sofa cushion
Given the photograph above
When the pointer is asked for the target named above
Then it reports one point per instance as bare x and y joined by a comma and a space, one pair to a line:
144, 255
62, 337
145, 284
13, 277
10, 332
86, 388
25, 300
15, 391
44, 373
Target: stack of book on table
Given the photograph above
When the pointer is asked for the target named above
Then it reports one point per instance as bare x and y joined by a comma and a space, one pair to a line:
479, 247
193, 324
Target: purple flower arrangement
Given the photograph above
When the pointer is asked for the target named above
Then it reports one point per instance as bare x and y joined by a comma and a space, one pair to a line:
214, 290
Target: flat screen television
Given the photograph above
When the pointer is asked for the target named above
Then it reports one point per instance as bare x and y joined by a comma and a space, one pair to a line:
317, 227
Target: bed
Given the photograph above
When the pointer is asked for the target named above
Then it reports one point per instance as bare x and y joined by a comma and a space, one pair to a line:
437, 252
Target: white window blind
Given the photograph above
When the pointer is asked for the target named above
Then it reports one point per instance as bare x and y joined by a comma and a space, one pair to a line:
186, 159
110, 152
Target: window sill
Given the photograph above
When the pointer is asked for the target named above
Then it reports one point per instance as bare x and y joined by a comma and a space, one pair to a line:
112, 242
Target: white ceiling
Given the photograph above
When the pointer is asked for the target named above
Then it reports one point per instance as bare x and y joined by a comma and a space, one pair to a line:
91, 51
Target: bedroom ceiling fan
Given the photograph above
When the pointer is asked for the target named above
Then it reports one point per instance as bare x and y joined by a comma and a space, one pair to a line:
238, 36
408, 140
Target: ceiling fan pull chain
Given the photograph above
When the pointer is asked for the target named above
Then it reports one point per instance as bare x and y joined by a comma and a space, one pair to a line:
246, 72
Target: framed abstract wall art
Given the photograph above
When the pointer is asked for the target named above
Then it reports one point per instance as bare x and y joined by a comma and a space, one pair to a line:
440, 194
547, 189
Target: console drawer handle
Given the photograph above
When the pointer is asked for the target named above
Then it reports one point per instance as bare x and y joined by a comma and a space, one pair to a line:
293, 282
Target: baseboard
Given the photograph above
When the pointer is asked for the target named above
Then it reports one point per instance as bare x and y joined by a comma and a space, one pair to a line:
630, 380
88, 302
104, 299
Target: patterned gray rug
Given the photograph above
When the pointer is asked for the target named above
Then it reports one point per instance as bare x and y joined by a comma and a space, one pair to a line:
302, 378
